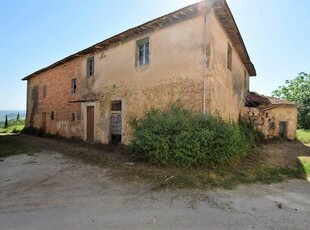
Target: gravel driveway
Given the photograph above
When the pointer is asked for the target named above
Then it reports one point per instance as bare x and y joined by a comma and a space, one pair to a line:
49, 191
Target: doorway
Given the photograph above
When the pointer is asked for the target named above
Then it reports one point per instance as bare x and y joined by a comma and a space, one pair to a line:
116, 128
90, 127
116, 122
44, 122
283, 129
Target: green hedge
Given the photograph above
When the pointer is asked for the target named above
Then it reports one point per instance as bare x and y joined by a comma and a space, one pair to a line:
181, 137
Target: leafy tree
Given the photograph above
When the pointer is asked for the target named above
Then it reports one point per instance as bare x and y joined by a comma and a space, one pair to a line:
298, 91
6, 123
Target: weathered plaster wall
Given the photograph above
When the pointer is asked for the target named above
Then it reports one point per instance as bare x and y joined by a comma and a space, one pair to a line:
267, 119
175, 74
228, 87
183, 57
57, 82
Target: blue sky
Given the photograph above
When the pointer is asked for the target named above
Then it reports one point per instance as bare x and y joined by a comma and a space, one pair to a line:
36, 33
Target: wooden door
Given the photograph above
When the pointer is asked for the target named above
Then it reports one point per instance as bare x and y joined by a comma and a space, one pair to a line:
283, 129
90, 123
43, 123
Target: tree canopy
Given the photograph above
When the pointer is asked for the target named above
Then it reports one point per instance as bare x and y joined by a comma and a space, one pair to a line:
298, 91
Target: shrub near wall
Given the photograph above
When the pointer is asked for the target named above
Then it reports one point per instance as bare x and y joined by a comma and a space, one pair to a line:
178, 136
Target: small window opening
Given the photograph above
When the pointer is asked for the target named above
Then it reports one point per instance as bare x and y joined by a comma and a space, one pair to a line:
246, 85
229, 57
52, 115
44, 91
143, 52
267, 115
90, 66
73, 117
116, 105
272, 126
73, 86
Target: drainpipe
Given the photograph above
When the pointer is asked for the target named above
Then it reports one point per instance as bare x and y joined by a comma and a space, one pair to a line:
204, 93
204, 61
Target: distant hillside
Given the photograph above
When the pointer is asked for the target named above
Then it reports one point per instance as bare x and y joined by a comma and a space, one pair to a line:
12, 114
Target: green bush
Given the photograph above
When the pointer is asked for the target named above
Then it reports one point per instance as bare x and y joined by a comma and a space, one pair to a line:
13, 126
178, 136
252, 135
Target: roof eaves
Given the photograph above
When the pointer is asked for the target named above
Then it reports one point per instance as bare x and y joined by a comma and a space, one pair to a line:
227, 20
221, 8
179, 15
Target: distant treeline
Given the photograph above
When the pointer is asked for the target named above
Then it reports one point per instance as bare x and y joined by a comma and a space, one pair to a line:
12, 114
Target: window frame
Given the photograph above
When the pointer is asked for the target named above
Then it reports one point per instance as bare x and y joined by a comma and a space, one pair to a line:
116, 105
90, 66
246, 81
143, 52
52, 115
44, 91
229, 56
73, 116
73, 86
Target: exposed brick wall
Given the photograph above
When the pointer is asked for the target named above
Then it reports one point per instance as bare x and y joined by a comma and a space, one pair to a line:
49, 93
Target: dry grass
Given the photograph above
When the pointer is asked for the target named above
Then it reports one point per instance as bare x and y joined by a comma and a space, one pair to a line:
273, 162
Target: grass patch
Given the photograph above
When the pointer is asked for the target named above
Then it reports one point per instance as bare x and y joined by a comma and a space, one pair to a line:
202, 180
305, 164
12, 129
13, 126
13, 145
303, 136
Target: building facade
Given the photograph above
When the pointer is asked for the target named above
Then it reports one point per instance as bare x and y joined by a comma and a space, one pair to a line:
194, 56
272, 116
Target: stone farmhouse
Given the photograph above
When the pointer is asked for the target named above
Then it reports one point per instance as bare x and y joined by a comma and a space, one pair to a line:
194, 56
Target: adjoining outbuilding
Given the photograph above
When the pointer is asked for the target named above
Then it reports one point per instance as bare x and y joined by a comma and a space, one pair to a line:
273, 117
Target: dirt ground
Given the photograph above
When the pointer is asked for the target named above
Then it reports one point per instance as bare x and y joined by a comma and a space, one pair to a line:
284, 153
46, 190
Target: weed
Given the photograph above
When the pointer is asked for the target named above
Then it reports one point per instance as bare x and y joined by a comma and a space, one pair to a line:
305, 165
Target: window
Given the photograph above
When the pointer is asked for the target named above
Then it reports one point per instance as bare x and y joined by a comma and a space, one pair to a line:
73, 117
246, 85
73, 86
90, 66
116, 106
143, 52
44, 91
229, 57
52, 115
